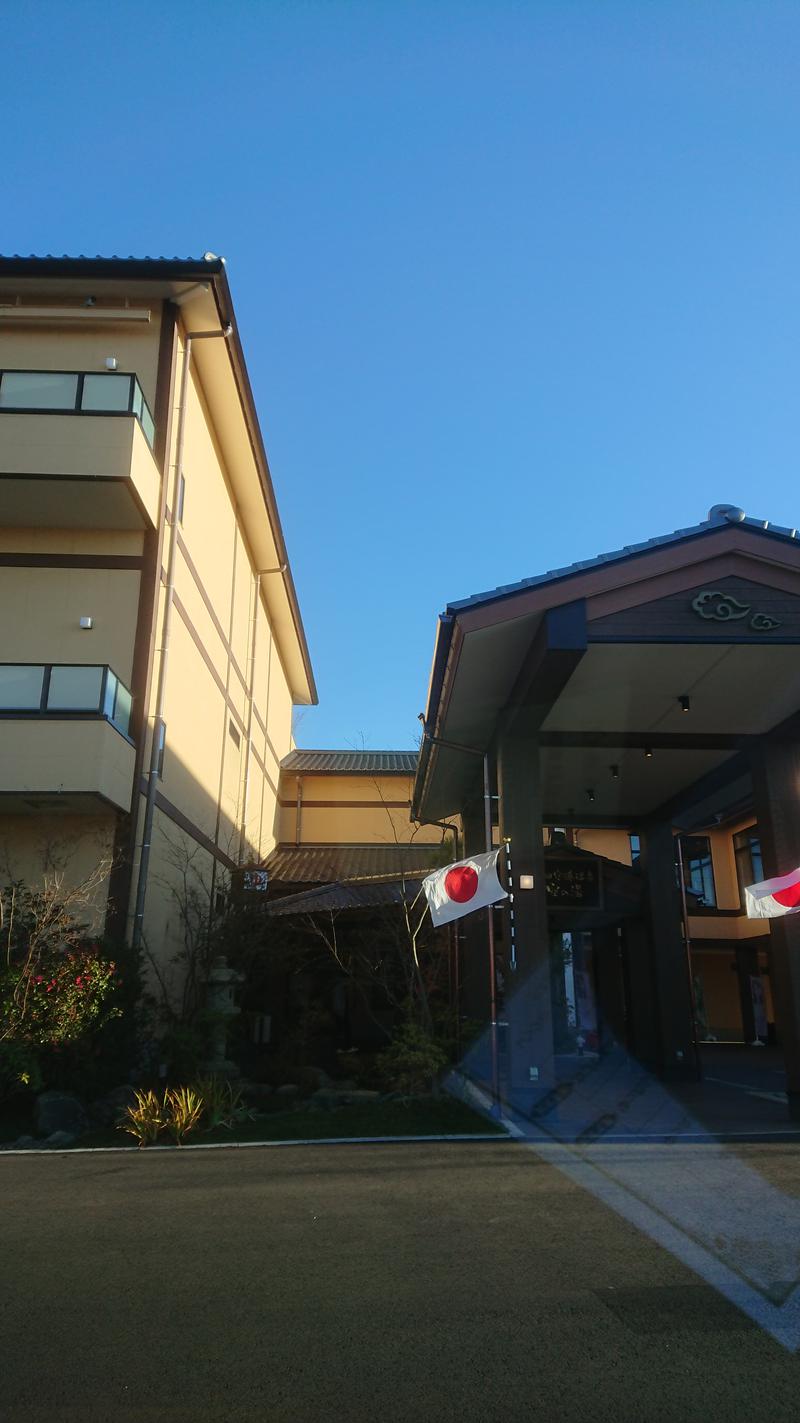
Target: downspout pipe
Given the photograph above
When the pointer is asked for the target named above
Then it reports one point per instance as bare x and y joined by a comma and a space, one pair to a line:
159, 727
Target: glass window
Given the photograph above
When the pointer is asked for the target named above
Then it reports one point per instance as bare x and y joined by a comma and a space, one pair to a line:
698, 871
106, 392
21, 688
749, 864
147, 425
636, 849
75, 689
122, 709
110, 694
181, 499
38, 390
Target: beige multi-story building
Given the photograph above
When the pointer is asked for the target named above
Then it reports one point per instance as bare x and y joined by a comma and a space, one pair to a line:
151, 645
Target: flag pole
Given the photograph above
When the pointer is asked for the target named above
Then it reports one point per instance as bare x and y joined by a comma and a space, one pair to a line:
487, 819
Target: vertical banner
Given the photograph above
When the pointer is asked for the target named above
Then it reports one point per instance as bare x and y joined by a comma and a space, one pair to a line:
759, 1009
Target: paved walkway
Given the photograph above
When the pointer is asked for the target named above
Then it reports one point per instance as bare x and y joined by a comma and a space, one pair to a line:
426, 1283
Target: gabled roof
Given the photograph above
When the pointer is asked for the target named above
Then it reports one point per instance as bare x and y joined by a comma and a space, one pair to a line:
488, 643
352, 763
718, 516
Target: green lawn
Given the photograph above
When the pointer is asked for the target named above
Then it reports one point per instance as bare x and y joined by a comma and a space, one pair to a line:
433, 1117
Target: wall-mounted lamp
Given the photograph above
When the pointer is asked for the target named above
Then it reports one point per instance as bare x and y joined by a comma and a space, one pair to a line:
685, 704
526, 881
590, 793
614, 772
111, 363
648, 753
86, 624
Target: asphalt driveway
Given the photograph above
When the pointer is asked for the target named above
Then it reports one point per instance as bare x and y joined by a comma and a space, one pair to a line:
427, 1282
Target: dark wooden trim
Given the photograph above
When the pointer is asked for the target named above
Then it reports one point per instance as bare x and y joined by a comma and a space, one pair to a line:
710, 911
220, 631
206, 656
229, 703
658, 741
134, 562
708, 785
209, 607
712, 639
348, 804
178, 818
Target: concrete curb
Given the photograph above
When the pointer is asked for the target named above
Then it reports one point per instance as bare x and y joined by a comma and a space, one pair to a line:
247, 1145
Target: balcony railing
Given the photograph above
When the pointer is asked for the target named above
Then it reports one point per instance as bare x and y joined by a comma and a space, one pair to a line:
57, 690
76, 393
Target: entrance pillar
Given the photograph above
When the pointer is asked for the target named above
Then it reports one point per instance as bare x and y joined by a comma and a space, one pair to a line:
527, 1010
676, 1055
776, 799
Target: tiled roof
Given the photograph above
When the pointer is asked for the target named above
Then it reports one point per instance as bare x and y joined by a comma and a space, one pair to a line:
352, 763
333, 864
343, 896
718, 517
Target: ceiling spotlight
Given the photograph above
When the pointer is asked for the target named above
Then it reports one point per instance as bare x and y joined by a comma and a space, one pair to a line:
614, 772
590, 793
648, 753
685, 704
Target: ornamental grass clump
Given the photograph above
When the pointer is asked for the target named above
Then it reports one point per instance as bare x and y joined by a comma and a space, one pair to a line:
145, 1119
222, 1103
183, 1109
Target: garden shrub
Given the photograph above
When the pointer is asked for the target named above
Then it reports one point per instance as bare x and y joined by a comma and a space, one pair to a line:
413, 1061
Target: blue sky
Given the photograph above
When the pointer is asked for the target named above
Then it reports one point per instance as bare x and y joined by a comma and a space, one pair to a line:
517, 282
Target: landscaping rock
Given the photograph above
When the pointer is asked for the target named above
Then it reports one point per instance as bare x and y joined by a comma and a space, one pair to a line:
108, 1110
332, 1097
288, 1089
60, 1138
256, 1092
60, 1111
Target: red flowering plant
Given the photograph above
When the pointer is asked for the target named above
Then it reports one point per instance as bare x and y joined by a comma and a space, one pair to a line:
56, 984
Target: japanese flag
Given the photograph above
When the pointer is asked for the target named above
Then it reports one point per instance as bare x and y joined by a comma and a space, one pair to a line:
459, 889
773, 897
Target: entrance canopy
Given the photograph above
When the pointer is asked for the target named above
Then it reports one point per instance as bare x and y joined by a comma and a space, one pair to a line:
647, 676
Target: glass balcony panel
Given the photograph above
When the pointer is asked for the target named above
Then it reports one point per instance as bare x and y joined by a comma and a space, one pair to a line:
110, 694
148, 425
38, 390
21, 688
138, 399
122, 709
106, 392
75, 689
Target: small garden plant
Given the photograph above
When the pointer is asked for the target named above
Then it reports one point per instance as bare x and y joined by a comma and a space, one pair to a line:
210, 1103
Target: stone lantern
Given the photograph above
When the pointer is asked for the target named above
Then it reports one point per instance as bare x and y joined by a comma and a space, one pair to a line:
221, 987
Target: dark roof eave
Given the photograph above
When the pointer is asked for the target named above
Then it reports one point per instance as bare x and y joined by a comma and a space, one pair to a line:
227, 314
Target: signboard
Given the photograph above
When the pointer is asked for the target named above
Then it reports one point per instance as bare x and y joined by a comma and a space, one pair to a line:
256, 880
573, 884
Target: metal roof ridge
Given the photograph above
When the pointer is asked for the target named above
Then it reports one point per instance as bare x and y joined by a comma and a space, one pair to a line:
628, 551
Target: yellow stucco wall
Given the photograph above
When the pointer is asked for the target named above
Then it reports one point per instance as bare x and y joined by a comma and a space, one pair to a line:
52, 756
42, 612
85, 346
354, 810
33, 848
